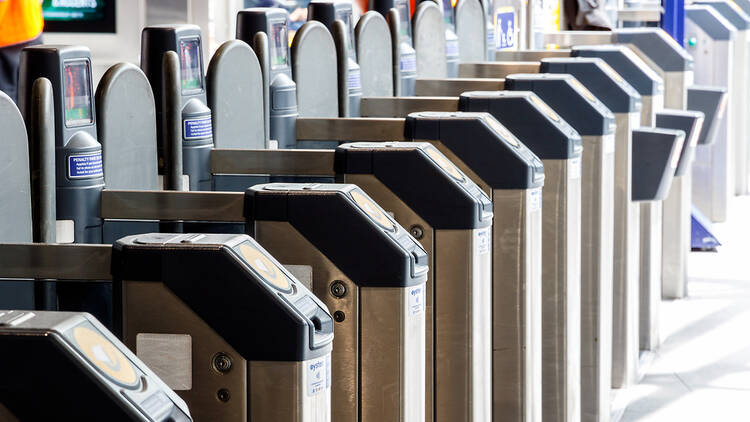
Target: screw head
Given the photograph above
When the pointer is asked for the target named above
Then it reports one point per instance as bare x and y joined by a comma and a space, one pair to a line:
338, 289
417, 231
222, 363
223, 395
339, 316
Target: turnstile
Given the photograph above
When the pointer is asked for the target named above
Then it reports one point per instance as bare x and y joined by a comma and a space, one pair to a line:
558, 145
404, 56
68, 366
371, 273
714, 49
596, 126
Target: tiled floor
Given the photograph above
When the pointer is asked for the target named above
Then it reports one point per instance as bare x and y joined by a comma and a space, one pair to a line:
702, 370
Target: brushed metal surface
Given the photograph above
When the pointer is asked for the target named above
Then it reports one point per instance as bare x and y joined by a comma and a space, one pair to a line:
639, 14
676, 238
268, 161
455, 87
350, 129
530, 55
516, 307
285, 243
392, 356
402, 106
597, 243
570, 38
626, 255
650, 105
278, 393
173, 205
6, 415
738, 108
55, 261
496, 69
144, 307
650, 274
561, 290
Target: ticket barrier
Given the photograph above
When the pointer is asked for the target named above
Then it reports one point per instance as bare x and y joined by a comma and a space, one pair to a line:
68, 366
427, 17
404, 57
740, 93
211, 350
447, 213
714, 179
558, 146
596, 126
691, 123
657, 152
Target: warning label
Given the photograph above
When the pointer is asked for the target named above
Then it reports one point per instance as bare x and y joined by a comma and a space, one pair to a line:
197, 128
408, 62
318, 375
354, 80
86, 166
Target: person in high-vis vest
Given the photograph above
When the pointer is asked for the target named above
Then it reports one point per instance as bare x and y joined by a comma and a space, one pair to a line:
21, 25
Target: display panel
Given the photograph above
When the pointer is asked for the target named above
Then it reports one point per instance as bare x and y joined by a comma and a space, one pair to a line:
79, 15
78, 107
448, 11
190, 65
402, 6
279, 46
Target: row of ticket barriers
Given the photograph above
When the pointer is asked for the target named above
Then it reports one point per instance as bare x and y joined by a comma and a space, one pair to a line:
337, 229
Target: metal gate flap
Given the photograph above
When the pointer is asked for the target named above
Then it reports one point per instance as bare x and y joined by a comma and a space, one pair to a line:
375, 55
15, 191
429, 41
471, 31
315, 71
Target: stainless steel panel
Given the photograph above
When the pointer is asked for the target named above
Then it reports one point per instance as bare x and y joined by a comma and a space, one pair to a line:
402, 106
676, 238
738, 107
496, 69
281, 161
278, 392
650, 274
392, 356
626, 255
282, 241
650, 105
597, 243
350, 129
55, 261
456, 87
561, 290
173, 205
570, 38
516, 307
530, 55
144, 305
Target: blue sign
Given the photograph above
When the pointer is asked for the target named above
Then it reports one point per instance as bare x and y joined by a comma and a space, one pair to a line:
408, 62
506, 32
354, 80
85, 166
451, 48
197, 128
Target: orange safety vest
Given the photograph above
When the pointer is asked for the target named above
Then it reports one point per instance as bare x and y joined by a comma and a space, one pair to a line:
20, 20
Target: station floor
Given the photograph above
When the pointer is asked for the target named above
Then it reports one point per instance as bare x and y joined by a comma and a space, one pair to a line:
702, 370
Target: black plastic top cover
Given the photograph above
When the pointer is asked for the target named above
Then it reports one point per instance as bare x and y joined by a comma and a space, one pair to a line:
568, 97
622, 59
730, 11
658, 46
423, 178
535, 123
67, 366
710, 21
656, 153
712, 101
347, 226
687, 121
236, 287
599, 77
483, 144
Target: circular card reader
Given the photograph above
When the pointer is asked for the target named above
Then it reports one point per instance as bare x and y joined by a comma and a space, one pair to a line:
544, 107
444, 163
502, 131
373, 210
264, 267
101, 353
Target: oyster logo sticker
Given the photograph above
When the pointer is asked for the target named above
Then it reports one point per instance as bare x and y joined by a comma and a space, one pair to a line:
105, 356
259, 262
373, 210
318, 376
416, 300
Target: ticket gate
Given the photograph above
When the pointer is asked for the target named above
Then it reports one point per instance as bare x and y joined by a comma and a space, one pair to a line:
558, 146
596, 126
378, 304
68, 366
349, 83
740, 94
657, 152
424, 21
404, 56
714, 51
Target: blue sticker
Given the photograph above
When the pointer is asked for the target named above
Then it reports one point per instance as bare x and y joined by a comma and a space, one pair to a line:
354, 80
197, 128
408, 62
490, 35
451, 48
505, 32
85, 166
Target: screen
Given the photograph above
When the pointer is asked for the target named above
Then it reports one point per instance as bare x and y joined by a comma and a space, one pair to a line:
448, 11
402, 6
79, 15
346, 16
279, 46
190, 65
78, 110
